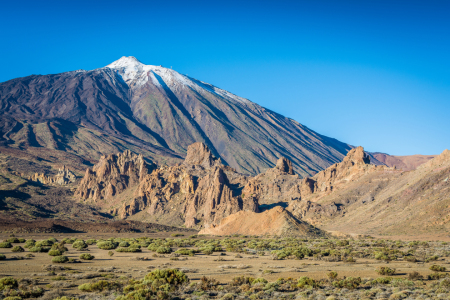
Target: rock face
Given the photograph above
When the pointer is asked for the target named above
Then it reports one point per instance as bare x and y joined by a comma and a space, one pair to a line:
63, 177
199, 154
198, 192
112, 175
276, 221
284, 165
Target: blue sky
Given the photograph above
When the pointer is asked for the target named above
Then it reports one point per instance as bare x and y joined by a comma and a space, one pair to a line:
370, 73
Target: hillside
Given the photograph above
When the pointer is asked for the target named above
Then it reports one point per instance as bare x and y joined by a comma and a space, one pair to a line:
157, 112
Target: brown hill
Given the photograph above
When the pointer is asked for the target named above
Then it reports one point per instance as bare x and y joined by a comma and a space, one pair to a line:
275, 221
405, 163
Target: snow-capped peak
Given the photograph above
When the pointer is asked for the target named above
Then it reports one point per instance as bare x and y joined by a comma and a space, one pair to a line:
136, 74
125, 62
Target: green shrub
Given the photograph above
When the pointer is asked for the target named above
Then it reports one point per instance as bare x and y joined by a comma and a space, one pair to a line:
60, 259
163, 250
80, 245
207, 252
57, 278
306, 282
17, 249
91, 241
44, 243
55, 253
86, 256
107, 245
240, 280
332, 275
259, 280
381, 280
99, 286
110, 253
350, 283
184, 251
13, 240
8, 283
130, 249
5, 245
124, 244
29, 243
159, 278
2, 257
385, 271
436, 268
39, 249
177, 234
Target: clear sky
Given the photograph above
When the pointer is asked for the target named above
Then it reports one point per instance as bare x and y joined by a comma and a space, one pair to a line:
370, 73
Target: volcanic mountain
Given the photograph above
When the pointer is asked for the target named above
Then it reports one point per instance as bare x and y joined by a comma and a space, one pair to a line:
154, 111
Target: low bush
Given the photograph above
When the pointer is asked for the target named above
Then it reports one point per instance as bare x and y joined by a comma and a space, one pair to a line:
124, 244
60, 259
99, 286
5, 245
332, 275
184, 251
130, 249
79, 245
306, 282
55, 253
2, 257
350, 283
29, 243
385, 271
108, 245
164, 250
207, 252
86, 256
436, 268
414, 276
159, 278
39, 249
13, 240
8, 283
17, 249
381, 280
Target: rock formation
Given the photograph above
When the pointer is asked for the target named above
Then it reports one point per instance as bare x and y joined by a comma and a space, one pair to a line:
112, 175
63, 177
198, 192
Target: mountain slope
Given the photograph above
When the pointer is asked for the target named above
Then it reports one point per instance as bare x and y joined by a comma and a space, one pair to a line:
157, 112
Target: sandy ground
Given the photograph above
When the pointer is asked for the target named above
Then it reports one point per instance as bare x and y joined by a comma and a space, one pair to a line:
200, 265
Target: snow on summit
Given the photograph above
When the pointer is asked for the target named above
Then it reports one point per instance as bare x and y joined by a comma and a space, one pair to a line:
136, 74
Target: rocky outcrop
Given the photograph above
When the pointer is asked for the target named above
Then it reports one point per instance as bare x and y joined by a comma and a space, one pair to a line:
213, 200
284, 166
199, 154
279, 184
63, 177
198, 192
276, 221
111, 175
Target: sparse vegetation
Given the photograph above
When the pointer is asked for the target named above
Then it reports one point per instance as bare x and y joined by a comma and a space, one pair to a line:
164, 283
